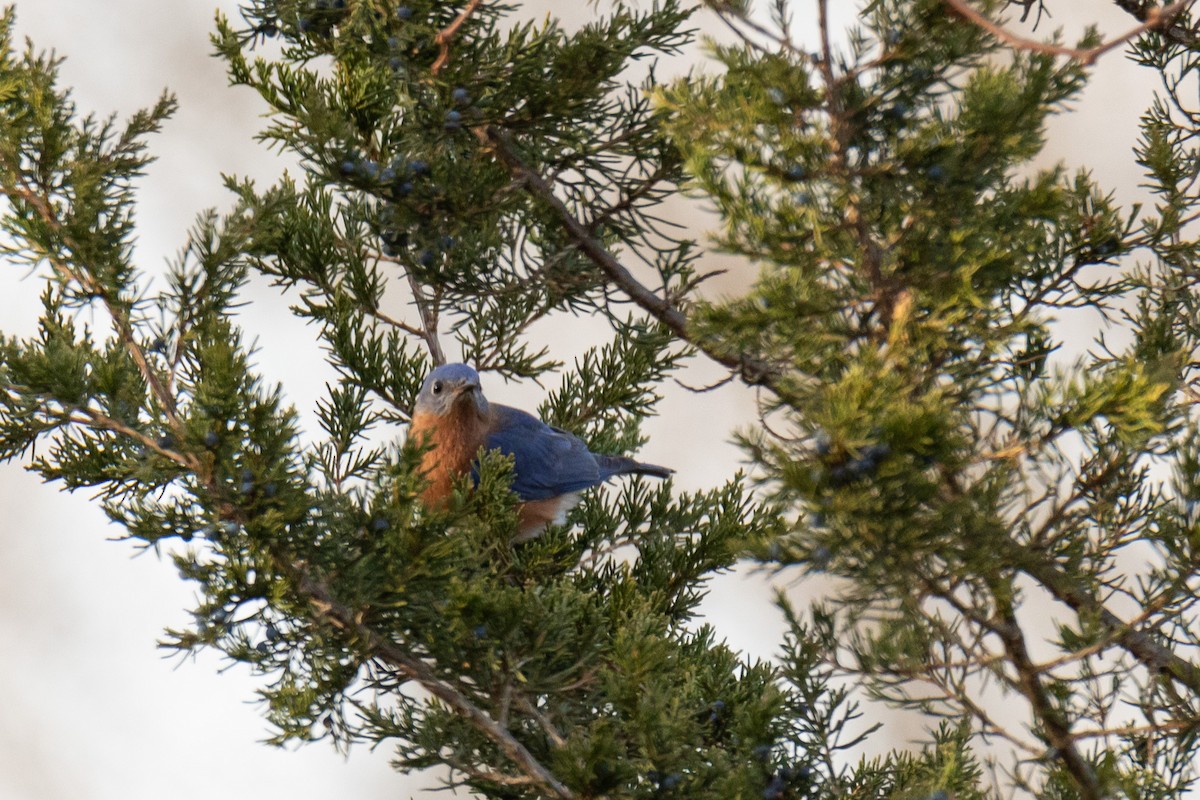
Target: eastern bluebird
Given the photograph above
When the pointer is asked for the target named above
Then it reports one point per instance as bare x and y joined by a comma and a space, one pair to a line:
550, 466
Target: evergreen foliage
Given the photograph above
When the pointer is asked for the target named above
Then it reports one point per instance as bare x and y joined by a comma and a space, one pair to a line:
920, 439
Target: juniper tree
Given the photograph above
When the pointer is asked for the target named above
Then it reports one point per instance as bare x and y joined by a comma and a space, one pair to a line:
919, 439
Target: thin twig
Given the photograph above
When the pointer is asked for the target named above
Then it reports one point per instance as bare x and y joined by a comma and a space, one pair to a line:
728, 379
497, 778
885, 291
1155, 18
728, 13
1128, 731
1134, 640
96, 419
395, 323
447, 34
428, 309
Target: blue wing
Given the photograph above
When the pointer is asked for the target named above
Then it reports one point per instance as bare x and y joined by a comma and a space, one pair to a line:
548, 462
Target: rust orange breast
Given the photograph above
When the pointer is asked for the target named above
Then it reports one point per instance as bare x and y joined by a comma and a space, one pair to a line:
452, 442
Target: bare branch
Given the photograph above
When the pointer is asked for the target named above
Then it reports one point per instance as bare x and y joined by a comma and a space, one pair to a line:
1057, 729
447, 34
547, 726
96, 419
1155, 18
387, 319
498, 778
427, 307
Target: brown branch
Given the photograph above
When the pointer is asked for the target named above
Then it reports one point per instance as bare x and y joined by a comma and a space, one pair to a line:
1166, 597
428, 309
447, 34
954, 695
497, 778
1135, 641
547, 726
629, 200
752, 371
374, 311
96, 419
833, 97
499, 143
415, 669
885, 291
727, 13
1155, 18
1127, 731
1130, 638
991, 663
1029, 683
387, 319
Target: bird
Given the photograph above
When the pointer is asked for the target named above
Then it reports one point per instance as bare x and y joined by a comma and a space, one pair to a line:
453, 421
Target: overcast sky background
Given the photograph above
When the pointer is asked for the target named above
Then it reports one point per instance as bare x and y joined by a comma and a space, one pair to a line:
90, 706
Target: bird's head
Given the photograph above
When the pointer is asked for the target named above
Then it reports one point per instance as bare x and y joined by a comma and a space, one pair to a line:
450, 387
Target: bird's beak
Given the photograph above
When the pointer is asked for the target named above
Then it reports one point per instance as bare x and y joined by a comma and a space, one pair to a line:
471, 393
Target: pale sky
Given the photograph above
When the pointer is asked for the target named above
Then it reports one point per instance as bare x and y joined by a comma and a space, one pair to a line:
92, 709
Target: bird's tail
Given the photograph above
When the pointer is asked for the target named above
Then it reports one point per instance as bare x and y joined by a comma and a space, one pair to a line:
620, 465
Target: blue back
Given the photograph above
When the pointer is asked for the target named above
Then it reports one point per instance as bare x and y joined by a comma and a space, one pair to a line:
548, 462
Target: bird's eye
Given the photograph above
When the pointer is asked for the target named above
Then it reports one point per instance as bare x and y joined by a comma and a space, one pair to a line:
437, 387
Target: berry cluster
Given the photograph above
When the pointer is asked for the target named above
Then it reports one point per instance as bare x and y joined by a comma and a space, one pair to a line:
395, 181
862, 466
845, 467
794, 781
461, 98
664, 781
321, 16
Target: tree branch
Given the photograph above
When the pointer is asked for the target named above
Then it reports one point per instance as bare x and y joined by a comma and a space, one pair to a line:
1153, 18
498, 778
1132, 639
120, 316
91, 418
427, 307
885, 291
530, 708
1067, 590
753, 371
1058, 730
447, 34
